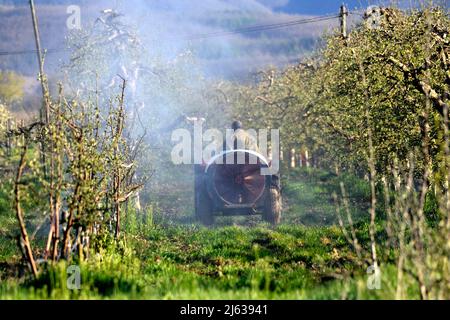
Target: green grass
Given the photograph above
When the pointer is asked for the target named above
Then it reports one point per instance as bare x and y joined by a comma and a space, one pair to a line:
188, 262
308, 195
304, 258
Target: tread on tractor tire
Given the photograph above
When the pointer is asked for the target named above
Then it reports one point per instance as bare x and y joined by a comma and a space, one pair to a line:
203, 207
273, 206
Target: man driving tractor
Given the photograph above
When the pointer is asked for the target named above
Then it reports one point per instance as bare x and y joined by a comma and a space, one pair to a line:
231, 183
242, 139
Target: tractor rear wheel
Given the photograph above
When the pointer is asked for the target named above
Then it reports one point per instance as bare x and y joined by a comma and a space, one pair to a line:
203, 203
272, 206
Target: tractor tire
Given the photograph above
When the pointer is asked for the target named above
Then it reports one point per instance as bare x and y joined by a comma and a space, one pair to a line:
203, 206
273, 207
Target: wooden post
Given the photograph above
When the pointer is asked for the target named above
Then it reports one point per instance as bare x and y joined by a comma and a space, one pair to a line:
8, 138
307, 161
116, 202
299, 158
343, 19
41, 62
292, 158
117, 173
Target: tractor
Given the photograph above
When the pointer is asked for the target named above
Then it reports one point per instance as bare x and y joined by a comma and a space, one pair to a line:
236, 189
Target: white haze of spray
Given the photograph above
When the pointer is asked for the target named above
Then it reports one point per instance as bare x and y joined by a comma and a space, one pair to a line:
165, 81
163, 25
160, 27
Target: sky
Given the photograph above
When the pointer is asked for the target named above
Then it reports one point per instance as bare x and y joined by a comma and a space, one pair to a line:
321, 7
315, 7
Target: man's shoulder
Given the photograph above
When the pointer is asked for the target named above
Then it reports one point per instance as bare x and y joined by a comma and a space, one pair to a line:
243, 133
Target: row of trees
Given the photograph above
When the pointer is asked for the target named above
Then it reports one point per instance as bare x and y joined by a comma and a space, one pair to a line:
73, 176
69, 174
376, 104
387, 82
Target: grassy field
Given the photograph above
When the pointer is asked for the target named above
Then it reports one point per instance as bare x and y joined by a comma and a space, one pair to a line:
306, 257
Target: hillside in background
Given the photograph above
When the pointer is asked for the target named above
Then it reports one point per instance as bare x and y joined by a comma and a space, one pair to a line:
167, 26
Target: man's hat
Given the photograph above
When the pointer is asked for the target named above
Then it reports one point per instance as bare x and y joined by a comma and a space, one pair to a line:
236, 125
